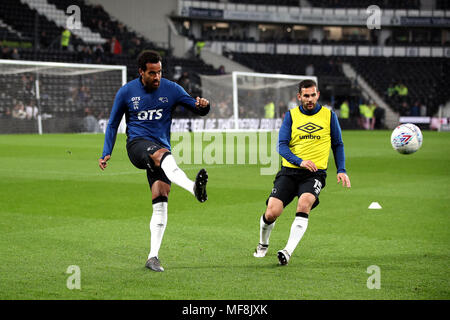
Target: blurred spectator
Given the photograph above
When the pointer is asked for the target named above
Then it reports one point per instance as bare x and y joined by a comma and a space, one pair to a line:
221, 70
84, 96
138, 45
269, 110
404, 109
98, 53
44, 40
27, 86
401, 89
5, 112
120, 28
391, 91
65, 39
19, 111
86, 55
90, 123
185, 82
15, 54
282, 108
6, 53
423, 110
292, 103
133, 47
329, 67
177, 72
344, 108
370, 116
344, 114
309, 71
380, 116
328, 105
107, 46
198, 48
362, 115
31, 110
415, 109
76, 44
116, 47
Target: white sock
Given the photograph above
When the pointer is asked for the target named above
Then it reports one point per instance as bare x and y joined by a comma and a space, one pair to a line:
158, 224
298, 229
175, 174
265, 230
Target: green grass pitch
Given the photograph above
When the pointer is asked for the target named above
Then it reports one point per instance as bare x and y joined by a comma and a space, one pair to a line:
58, 209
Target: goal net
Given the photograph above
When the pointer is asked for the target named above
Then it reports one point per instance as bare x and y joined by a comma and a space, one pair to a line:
51, 97
249, 101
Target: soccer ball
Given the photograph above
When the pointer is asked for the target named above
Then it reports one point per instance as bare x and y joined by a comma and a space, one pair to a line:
406, 138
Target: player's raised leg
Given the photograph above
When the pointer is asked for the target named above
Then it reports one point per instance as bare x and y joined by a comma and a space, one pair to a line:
266, 224
164, 159
298, 227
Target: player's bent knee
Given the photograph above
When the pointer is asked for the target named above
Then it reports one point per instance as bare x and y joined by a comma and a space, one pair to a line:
159, 156
274, 209
305, 202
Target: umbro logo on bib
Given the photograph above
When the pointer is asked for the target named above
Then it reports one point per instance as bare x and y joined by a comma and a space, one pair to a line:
310, 127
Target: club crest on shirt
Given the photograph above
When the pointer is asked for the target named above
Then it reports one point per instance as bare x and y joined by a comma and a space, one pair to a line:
135, 101
163, 99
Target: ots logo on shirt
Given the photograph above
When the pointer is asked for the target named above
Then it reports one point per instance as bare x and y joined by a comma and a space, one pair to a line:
150, 114
135, 101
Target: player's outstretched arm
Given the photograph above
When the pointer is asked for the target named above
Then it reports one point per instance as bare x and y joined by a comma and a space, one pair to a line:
343, 177
102, 163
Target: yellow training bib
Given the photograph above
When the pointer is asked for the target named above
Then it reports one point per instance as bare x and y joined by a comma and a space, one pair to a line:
310, 137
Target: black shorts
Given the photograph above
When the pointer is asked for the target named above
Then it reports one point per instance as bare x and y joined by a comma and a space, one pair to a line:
138, 153
290, 183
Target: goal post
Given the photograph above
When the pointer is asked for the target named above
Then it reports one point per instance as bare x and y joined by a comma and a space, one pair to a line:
281, 84
55, 97
248, 101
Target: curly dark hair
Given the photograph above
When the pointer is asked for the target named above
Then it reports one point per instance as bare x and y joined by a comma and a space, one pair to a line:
148, 56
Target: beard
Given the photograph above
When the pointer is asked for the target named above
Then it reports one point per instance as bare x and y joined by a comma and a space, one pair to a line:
152, 84
309, 105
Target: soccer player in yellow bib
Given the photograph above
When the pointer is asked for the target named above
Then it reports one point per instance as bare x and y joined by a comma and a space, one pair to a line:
306, 136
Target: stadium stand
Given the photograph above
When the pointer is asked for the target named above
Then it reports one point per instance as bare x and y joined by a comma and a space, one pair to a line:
292, 3
335, 87
427, 81
290, 64
23, 19
9, 34
23, 25
18, 26
387, 4
94, 16
442, 5
98, 20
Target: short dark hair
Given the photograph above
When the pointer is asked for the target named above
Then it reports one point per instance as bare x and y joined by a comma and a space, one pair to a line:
148, 56
308, 83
